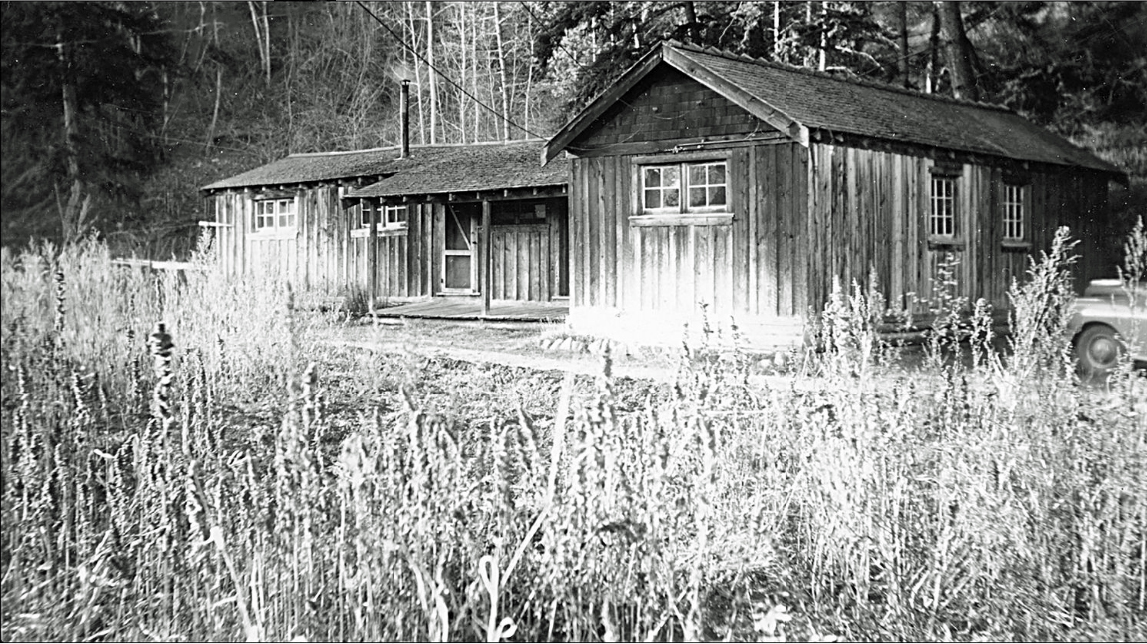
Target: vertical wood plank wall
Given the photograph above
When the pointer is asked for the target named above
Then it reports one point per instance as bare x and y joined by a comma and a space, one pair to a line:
868, 212
521, 266
325, 255
803, 217
753, 266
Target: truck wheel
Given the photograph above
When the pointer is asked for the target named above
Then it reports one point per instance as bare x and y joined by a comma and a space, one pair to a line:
1098, 350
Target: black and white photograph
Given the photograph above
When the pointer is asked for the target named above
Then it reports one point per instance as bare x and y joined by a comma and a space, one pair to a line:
590, 321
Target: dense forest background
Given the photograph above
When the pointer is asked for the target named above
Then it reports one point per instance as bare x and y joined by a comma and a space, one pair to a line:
114, 113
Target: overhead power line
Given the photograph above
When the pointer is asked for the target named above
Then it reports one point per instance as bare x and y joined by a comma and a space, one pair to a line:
418, 55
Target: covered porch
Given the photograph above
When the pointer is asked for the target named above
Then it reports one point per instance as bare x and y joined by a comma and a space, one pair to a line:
471, 308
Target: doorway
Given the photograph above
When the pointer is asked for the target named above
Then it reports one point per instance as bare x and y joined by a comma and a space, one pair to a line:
459, 266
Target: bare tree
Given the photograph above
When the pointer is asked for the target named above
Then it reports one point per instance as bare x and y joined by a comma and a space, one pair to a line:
431, 73
502, 72
262, 36
691, 20
958, 52
934, 51
73, 212
461, 22
777, 30
902, 16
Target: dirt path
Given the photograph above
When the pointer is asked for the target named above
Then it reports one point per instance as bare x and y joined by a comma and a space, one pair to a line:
526, 345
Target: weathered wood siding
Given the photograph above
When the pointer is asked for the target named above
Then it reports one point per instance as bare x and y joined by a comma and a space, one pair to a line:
802, 216
323, 254
868, 211
312, 258
753, 266
669, 105
521, 262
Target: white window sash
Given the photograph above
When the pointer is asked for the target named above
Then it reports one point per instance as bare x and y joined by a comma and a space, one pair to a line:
684, 187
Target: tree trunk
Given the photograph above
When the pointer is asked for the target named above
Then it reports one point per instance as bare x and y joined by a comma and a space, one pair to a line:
474, 72
691, 20
958, 52
417, 72
461, 7
934, 51
433, 75
902, 14
822, 59
262, 38
502, 73
73, 212
530, 73
215, 113
267, 42
777, 30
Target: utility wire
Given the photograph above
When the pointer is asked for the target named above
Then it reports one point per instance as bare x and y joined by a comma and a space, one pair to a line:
440, 73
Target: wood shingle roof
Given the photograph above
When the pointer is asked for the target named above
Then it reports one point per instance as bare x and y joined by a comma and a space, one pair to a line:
428, 169
471, 168
797, 102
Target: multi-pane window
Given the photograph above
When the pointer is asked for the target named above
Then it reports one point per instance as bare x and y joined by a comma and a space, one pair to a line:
704, 183
1013, 212
274, 214
661, 187
388, 216
942, 218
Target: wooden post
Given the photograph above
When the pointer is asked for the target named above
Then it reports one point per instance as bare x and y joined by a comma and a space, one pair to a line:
484, 258
372, 254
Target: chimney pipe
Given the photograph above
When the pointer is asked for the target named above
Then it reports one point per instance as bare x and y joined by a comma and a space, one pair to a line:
404, 120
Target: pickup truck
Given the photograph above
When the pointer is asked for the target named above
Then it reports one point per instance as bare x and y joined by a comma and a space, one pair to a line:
1108, 321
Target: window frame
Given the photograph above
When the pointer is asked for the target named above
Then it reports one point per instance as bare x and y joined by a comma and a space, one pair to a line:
681, 213
283, 221
385, 225
1023, 186
950, 236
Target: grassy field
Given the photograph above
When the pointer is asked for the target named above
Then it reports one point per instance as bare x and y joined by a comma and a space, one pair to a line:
227, 477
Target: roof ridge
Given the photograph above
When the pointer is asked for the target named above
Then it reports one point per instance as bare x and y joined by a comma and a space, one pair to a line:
332, 153
713, 51
416, 146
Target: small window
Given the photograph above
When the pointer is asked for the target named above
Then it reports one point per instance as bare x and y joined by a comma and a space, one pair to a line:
942, 219
274, 214
704, 183
390, 217
706, 186
661, 185
1014, 212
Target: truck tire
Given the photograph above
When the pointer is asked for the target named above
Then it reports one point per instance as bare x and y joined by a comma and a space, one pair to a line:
1097, 350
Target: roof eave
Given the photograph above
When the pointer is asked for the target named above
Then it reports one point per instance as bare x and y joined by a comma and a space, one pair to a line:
669, 54
1100, 166
584, 119
536, 189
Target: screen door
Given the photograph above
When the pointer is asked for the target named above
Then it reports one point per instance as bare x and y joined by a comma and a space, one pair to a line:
458, 256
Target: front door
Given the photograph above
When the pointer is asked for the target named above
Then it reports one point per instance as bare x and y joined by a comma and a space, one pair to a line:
458, 265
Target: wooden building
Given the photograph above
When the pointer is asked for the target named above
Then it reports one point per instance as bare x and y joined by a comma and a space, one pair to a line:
308, 219
704, 179
451, 201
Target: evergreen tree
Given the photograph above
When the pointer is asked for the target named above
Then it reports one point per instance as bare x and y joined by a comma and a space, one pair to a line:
82, 96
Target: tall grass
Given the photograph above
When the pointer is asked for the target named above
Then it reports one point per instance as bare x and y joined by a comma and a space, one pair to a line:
211, 479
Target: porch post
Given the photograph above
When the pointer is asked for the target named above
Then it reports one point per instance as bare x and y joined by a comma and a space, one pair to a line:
372, 254
484, 257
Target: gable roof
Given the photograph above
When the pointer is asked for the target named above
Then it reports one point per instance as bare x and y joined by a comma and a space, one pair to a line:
797, 101
478, 166
471, 168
